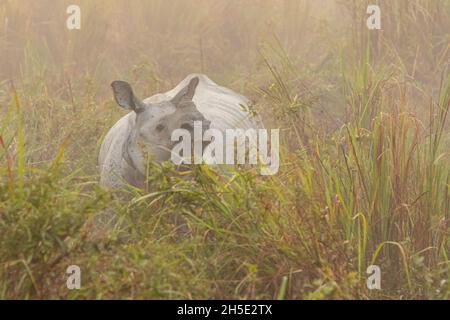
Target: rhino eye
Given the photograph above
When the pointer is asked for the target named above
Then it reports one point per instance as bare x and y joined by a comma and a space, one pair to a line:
159, 127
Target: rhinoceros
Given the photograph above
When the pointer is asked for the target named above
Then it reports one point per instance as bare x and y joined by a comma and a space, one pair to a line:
147, 128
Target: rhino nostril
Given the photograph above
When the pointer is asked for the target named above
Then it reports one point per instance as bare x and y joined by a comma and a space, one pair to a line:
187, 126
190, 126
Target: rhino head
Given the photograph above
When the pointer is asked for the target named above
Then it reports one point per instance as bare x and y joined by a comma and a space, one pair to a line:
150, 135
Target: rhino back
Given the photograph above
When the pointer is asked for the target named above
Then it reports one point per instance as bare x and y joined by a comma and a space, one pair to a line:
224, 107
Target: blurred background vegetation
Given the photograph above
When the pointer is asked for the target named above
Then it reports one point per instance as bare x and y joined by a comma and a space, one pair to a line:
365, 167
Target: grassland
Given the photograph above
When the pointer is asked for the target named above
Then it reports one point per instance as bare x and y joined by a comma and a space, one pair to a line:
364, 176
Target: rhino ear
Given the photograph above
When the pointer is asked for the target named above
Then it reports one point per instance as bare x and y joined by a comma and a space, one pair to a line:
187, 93
125, 97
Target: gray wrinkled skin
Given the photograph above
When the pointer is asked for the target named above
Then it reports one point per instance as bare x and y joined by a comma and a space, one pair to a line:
147, 129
